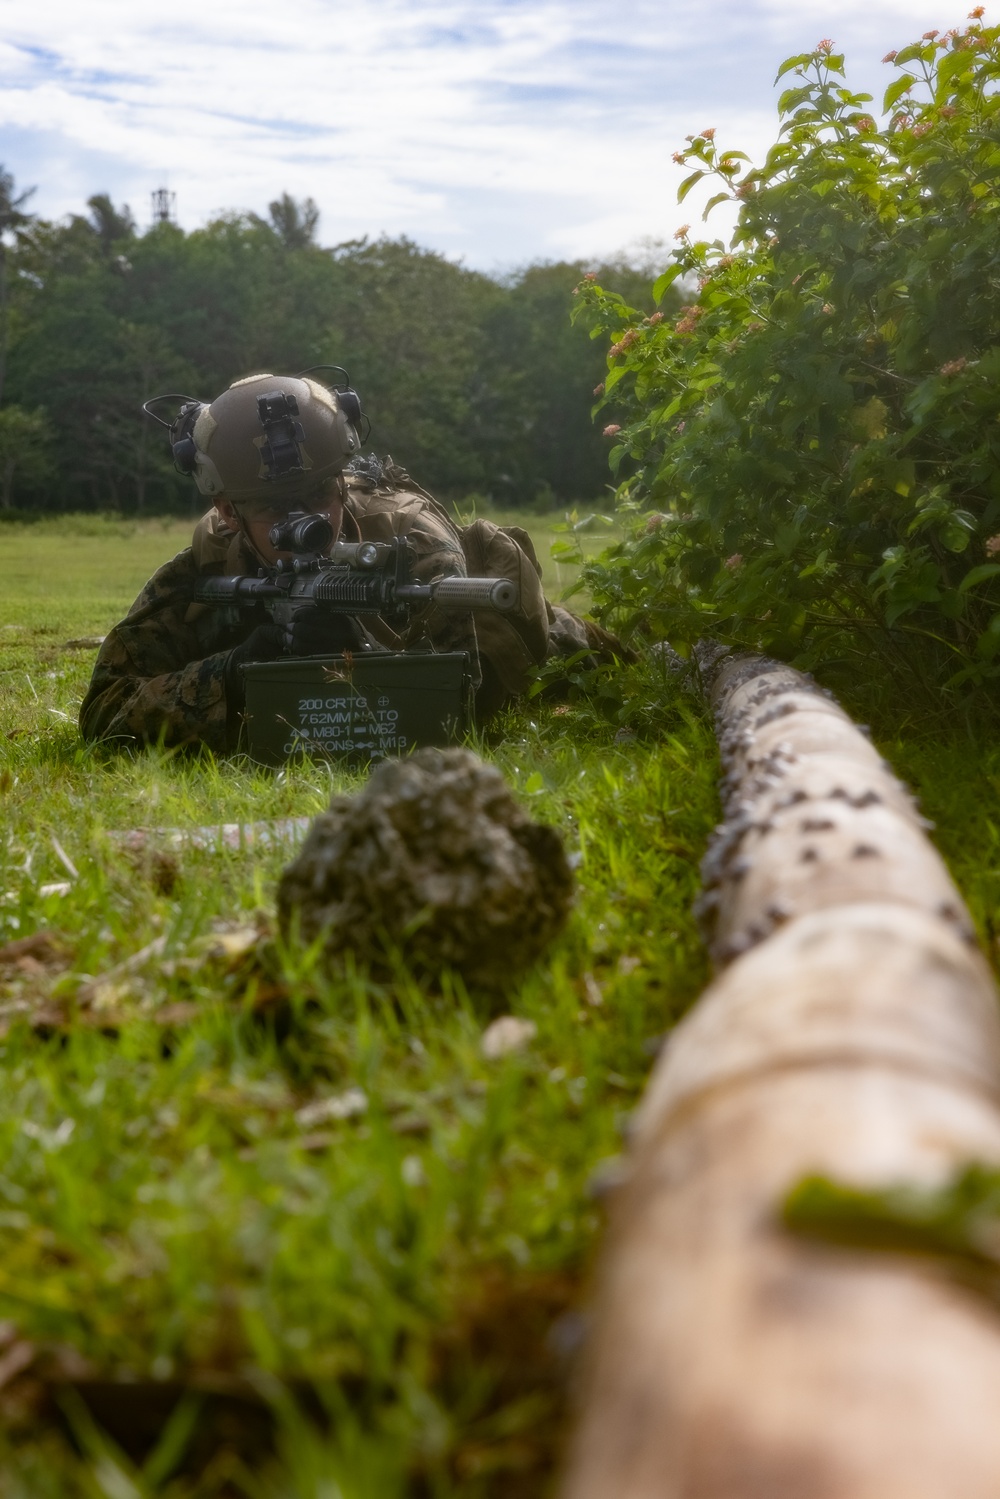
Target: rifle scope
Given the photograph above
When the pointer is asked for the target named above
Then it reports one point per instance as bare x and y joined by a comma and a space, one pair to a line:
300, 532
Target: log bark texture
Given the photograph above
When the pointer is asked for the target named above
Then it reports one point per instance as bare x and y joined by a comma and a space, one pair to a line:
852, 1030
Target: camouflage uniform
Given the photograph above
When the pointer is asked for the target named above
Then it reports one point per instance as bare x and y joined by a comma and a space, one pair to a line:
160, 674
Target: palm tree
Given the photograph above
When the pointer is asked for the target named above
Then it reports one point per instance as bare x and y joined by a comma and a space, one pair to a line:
110, 224
292, 221
13, 221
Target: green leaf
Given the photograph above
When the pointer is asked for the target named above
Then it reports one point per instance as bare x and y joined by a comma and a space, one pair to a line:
792, 98
688, 184
955, 536
714, 202
908, 54
664, 282
667, 412
896, 90
799, 61
979, 574
898, 610
613, 376
988, 644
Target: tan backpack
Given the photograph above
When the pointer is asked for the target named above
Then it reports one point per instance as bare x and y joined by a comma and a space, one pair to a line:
509, 644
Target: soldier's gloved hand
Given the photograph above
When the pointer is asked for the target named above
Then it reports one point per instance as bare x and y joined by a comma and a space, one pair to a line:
314, 633
265, 643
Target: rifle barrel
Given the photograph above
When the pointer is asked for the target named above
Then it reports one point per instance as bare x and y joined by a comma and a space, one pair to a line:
219, 590
474, 593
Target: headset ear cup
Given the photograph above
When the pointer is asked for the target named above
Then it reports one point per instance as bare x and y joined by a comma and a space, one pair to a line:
183, 447
348, 399
350, 404
185, 455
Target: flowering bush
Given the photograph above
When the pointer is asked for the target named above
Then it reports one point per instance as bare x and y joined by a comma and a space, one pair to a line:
818, 431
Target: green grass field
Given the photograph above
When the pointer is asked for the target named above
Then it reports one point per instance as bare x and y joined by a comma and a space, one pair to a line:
222, 1272
369, 1305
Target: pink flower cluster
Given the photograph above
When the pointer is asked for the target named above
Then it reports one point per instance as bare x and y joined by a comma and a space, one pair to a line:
624, 343
952, 367
611, 430
688, 320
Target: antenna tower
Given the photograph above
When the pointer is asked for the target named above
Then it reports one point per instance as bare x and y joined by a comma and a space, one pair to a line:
163, 205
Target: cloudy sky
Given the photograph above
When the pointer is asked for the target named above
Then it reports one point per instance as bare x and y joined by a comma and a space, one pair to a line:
496, 131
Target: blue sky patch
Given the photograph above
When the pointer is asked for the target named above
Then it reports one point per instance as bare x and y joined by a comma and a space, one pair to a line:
498, 131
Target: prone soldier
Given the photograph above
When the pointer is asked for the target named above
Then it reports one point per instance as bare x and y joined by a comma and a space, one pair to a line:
266, 447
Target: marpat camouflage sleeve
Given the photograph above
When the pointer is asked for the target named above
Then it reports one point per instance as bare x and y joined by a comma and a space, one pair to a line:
155, 680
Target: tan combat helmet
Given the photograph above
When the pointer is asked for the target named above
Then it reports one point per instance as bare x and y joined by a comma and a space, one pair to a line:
267, 441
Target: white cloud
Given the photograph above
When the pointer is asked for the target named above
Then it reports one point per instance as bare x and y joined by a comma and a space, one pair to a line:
501, 130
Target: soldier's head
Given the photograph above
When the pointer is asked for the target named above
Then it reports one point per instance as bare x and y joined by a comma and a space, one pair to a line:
268, 445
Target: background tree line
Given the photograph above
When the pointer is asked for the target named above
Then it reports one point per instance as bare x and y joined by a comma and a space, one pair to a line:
475, 383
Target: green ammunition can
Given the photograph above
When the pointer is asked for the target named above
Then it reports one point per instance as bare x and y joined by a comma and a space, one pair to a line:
358, 708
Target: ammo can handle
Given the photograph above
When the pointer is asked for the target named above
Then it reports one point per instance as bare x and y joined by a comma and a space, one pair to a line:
476, 593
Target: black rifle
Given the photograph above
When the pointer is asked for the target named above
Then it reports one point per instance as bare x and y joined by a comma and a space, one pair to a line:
358, 577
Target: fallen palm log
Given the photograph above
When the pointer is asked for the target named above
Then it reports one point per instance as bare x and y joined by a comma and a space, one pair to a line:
852, 1032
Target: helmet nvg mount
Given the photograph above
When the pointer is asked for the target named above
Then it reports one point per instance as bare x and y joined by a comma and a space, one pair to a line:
266, 441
